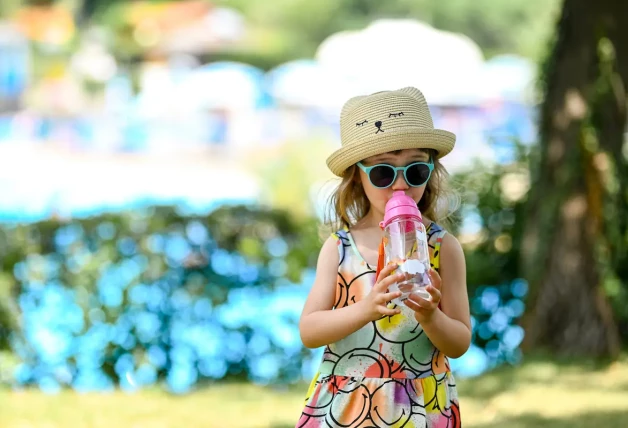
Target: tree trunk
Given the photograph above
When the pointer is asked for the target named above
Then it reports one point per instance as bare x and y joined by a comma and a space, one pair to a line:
568, 312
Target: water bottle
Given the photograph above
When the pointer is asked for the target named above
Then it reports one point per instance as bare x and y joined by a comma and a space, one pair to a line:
405, 244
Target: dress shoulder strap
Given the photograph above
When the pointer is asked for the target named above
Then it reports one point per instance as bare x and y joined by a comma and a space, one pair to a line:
435, 235
342, 241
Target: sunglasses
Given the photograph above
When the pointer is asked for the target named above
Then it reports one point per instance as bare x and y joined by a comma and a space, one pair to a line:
383, 175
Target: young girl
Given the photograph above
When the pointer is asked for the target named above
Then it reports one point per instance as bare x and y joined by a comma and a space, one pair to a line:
385, 365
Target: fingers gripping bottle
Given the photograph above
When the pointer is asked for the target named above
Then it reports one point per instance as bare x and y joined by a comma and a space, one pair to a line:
405, 244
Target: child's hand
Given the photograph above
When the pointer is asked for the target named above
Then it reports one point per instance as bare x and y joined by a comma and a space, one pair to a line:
376, 301
423, 308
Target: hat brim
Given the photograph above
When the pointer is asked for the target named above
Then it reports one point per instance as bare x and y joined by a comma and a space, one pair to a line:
399, 139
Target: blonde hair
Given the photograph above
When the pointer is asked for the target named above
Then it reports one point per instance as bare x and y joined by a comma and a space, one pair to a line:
348, 204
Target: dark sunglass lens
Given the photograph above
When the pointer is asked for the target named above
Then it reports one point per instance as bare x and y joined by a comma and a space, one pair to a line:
418, 174
382, 176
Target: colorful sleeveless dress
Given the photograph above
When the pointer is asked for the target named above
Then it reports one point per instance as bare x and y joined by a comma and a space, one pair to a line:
388, 373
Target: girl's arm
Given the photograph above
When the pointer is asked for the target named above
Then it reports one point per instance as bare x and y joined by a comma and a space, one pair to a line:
320, 324
449, 328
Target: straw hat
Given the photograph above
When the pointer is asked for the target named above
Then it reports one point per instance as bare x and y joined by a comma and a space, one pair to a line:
383, 122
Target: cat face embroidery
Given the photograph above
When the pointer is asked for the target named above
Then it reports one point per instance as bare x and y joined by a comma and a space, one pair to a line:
378, 124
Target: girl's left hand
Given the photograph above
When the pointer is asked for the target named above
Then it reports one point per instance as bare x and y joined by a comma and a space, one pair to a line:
424, 309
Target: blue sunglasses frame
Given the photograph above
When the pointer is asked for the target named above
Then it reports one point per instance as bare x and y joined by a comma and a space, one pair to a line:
368, 169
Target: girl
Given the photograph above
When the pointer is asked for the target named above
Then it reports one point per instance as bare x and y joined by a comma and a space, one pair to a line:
385, 365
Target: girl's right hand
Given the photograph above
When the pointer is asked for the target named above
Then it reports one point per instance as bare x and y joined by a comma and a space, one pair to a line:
376, 301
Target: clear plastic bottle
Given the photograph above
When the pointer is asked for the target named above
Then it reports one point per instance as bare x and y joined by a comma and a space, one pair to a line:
405, 243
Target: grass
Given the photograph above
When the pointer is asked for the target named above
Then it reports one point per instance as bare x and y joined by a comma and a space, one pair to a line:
537, 394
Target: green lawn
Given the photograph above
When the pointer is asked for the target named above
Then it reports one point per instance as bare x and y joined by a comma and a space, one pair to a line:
536, 394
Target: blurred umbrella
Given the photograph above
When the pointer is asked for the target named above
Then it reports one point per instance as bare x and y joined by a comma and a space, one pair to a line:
390, 54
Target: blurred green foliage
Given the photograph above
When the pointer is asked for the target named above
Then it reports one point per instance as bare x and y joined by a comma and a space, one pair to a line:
516, 26
494, 197
292, 29
8, 7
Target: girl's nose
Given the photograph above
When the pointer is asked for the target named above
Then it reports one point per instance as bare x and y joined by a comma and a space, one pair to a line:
400, 182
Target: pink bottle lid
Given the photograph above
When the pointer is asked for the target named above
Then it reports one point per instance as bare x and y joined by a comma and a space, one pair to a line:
400, 205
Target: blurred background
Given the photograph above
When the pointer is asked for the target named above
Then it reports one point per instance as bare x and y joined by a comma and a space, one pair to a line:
163, 180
